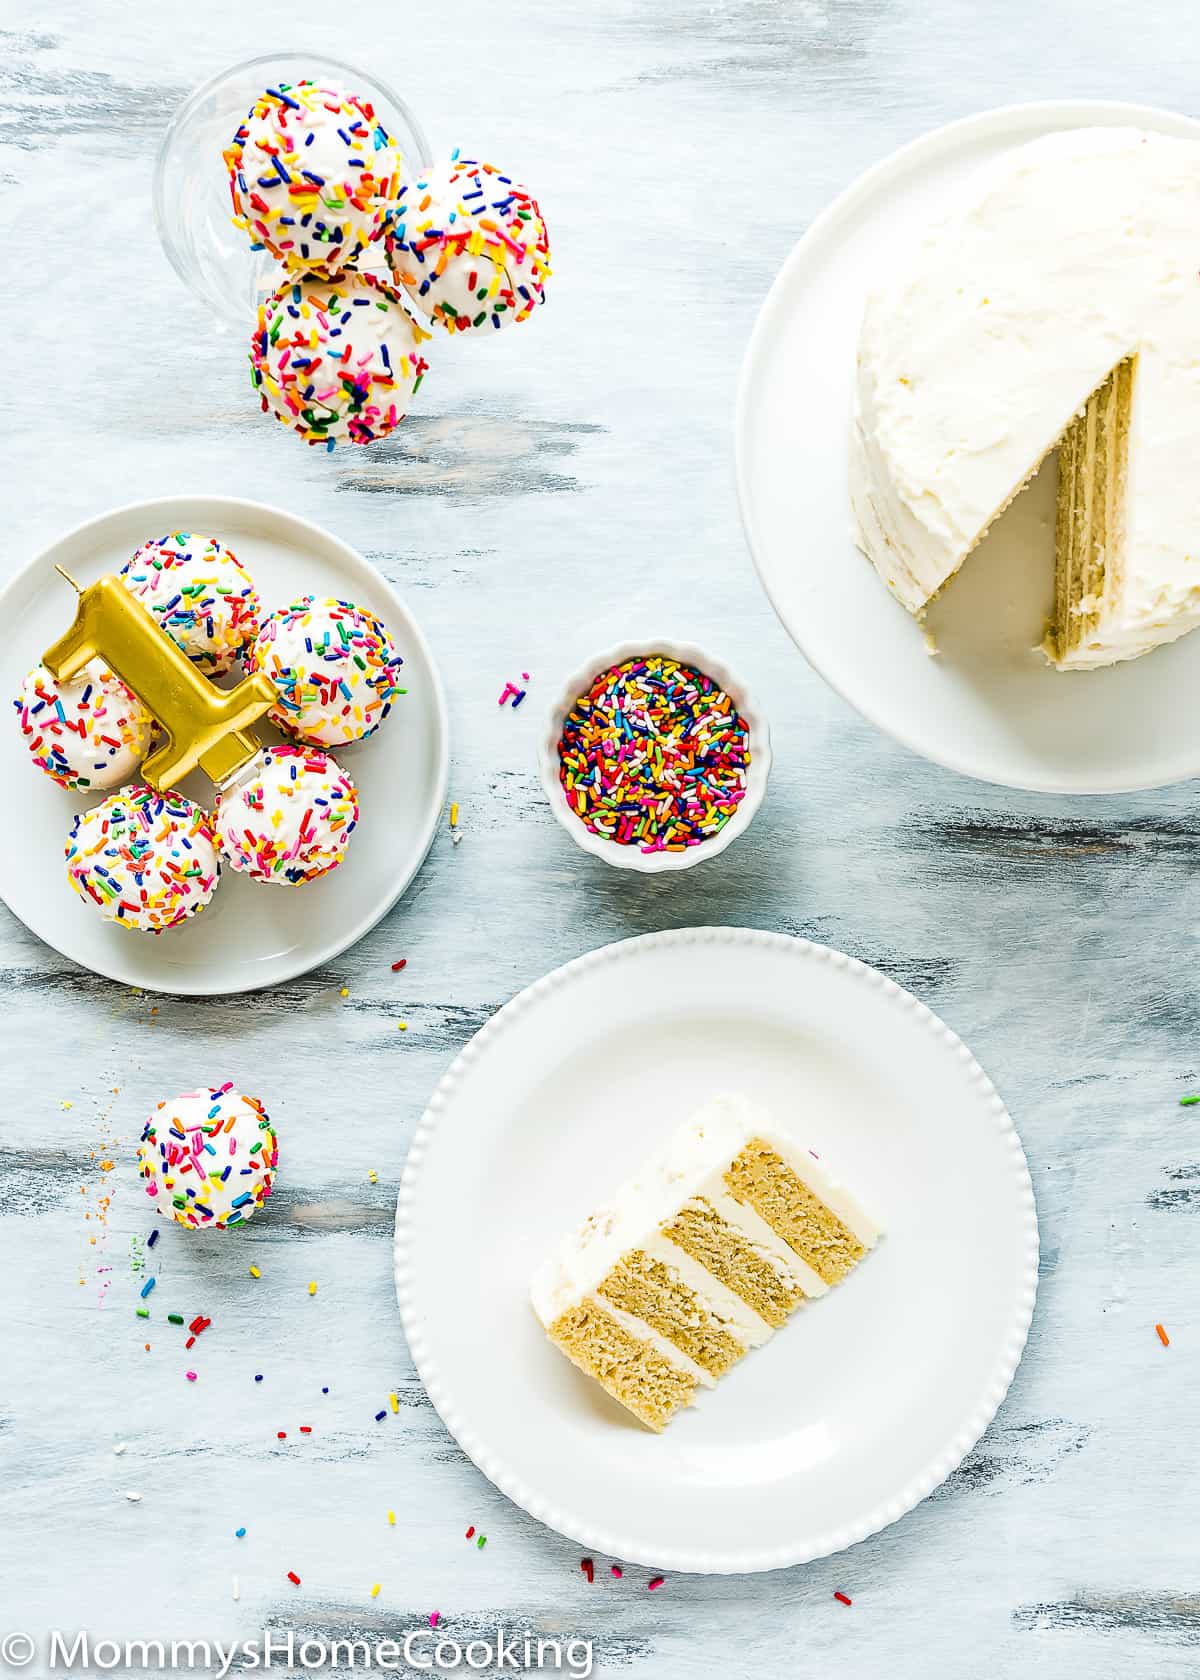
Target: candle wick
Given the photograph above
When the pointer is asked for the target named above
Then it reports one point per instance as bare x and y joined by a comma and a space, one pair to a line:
63, 572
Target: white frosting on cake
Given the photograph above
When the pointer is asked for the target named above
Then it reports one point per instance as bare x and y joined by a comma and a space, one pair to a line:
1072, 253
691, 1165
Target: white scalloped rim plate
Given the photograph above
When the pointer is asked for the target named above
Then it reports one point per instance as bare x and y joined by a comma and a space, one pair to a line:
869, 1398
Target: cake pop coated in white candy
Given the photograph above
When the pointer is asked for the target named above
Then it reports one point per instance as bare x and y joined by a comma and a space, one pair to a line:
335, 666
145, 860
289, 818
337, 359
208, 1157
313, 176
200, 593
91, 732
469, 246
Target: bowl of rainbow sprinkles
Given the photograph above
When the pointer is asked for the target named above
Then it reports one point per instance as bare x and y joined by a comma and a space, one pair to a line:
654, 756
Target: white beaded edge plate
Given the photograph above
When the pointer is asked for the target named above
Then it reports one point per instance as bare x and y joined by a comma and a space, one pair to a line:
544, 1113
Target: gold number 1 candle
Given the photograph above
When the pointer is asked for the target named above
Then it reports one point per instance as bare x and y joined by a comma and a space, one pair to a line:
204, 725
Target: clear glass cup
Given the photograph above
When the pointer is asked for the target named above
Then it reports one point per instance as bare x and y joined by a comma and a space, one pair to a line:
192, 209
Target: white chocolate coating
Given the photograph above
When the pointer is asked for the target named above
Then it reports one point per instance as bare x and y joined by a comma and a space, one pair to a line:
88, 733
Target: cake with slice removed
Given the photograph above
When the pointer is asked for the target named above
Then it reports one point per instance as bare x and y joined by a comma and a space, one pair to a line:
701, 1256
1058, 306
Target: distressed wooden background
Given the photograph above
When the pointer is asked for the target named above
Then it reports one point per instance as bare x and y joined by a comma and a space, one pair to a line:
557, 489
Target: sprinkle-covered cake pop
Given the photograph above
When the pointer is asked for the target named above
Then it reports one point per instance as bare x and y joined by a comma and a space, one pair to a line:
208, 1157
289, 821
336, 358
335, 666
144, 859
91, 732
200, 593
313, 176
469, 246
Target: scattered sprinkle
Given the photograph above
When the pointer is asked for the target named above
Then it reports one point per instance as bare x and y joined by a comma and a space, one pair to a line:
143, 1312
379, 1416
345, 991
1162, 1335
373, 1175
375, 1589
454, 815
152, 1238
653, 1586
511, 692
401, 1026
293, 1577
174, 1318
254, 1272
190, 1375
1187, 1102
842, 1599
258, 1378
391, 1519
433, 1620
589, 1569
481, 1542
148, 1286
239, 1533
312, 1289
403, 963
394, 1400
470, 1535
617, 1571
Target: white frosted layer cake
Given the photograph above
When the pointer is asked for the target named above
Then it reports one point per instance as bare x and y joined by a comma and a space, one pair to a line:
1059, 304
701, 1256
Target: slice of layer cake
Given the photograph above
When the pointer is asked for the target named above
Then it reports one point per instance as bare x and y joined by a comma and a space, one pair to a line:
703, 1255
1059, 306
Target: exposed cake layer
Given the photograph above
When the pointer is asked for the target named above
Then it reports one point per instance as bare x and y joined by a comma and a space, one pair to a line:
703, 1255
1065, 260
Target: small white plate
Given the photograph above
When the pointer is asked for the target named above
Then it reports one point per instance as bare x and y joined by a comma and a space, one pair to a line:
988, 705
251, 934
869, 1398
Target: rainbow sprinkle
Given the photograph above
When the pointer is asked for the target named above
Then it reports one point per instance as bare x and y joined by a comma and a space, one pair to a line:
654, 755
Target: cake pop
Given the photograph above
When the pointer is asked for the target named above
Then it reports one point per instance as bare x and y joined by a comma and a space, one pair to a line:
144, 859
313, 176
91, 732
208, 1157
469, 247
200, 593
288, 818
335, 666
336, 358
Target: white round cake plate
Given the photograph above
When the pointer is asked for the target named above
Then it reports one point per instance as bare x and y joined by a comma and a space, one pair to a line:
988, 705
867, 1399
250, 935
